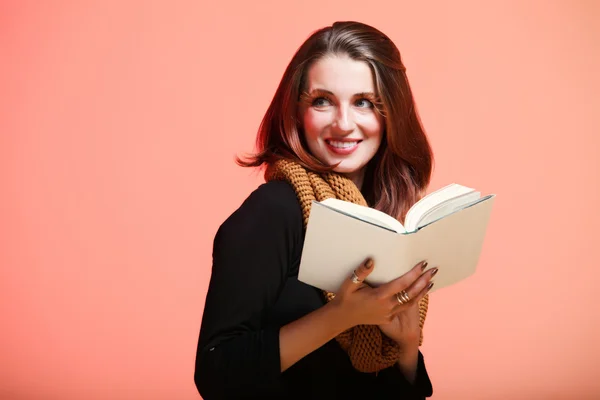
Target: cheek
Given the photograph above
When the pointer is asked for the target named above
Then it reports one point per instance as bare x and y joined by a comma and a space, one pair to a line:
372, 125
315, 123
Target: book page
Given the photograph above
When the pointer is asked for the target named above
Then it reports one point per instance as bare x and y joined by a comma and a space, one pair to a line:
447, 208
434, 202
366, 214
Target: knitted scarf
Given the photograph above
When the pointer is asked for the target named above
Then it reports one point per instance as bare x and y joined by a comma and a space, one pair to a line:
368, 348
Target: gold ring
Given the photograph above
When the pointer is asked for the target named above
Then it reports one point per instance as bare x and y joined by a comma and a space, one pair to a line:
402, 297
355, 278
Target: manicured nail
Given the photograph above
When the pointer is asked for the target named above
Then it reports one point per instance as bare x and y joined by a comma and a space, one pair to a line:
369, 264
429, 286
434, 271
424, 266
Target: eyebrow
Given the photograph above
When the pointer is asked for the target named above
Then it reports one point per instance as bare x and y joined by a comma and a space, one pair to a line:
315, 91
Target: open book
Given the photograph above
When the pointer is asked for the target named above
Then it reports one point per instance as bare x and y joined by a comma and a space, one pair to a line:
447, 228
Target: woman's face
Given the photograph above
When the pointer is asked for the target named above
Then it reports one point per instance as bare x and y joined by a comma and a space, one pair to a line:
338, 116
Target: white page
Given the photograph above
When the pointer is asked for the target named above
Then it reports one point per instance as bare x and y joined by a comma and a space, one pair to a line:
432, 201
446, 208
365, 213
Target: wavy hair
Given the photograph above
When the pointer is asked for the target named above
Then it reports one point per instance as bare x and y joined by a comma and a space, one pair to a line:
399, 173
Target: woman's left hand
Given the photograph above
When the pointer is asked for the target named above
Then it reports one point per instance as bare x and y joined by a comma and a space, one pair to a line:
404, 328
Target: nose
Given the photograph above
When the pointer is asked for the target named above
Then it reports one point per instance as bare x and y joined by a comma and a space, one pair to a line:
344, 120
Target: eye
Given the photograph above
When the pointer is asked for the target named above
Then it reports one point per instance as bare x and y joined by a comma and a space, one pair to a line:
321, 102
364, 103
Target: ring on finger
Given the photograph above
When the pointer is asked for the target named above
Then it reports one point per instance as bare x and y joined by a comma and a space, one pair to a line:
355, 278
402, 297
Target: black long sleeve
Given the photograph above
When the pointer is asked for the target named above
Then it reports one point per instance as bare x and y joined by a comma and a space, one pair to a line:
239, 355
253, 292
391, 382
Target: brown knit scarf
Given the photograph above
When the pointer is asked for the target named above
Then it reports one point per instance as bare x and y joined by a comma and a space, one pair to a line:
368, 348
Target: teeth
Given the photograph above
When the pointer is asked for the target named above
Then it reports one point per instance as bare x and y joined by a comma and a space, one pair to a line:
342, 145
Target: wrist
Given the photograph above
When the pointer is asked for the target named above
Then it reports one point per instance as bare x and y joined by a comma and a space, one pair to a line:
337, 316
408, 353
408, 345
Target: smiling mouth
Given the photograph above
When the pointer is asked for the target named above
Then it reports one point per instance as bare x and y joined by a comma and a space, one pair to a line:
343, 145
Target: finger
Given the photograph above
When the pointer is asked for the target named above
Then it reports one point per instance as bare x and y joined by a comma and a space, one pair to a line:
355, 280
415, 292
404, 281
416, 299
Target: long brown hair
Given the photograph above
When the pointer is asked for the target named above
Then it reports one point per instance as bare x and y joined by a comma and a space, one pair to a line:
399, 173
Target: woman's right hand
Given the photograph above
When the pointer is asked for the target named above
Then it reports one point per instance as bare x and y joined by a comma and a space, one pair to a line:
360, 304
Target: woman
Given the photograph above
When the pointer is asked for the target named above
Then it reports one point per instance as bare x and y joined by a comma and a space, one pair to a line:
341, 124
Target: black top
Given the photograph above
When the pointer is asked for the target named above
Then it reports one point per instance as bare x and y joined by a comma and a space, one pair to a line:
253, 292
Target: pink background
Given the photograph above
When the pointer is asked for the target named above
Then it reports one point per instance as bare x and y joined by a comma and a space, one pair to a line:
119, 119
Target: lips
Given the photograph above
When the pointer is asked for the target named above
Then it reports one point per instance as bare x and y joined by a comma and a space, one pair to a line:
342, 147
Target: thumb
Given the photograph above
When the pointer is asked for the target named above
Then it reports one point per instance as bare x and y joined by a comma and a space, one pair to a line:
355, 280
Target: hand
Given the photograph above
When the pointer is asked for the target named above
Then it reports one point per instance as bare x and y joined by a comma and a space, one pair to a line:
361, 304
404, 328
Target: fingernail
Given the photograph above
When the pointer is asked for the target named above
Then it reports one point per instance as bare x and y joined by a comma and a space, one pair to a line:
434, 271
429, 286
369, 264
424, 266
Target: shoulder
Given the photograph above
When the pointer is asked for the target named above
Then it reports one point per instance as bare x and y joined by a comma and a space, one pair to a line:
278, 194
271, 205
275, 198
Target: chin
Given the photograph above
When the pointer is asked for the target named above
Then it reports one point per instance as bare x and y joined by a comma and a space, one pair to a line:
349, 167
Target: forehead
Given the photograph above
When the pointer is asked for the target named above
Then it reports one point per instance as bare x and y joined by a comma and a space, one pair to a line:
341, 75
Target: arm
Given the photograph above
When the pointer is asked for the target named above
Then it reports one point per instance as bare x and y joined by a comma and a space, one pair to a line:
306, 334
408, 374
252, 252
252, 249
408, 364
408, 377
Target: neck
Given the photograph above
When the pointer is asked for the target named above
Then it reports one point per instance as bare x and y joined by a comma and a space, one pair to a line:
357, 177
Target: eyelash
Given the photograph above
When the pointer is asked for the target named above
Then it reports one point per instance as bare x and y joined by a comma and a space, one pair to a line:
316, 99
